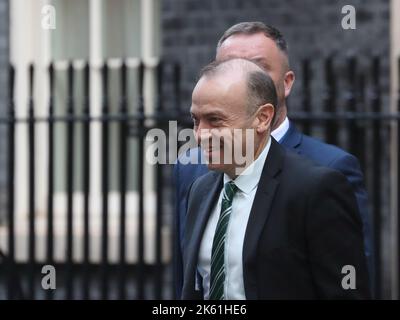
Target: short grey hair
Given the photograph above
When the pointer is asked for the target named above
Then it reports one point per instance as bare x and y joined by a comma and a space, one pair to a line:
260, 87
254, 27
261, 90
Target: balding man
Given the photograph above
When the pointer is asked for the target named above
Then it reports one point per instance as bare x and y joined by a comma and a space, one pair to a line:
275, 227
267, 46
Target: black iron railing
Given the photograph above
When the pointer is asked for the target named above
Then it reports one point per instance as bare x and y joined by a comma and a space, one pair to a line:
363, 130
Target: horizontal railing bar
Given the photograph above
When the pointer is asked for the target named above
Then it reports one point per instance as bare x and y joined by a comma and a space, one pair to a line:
83, 118
320, 116
344, 116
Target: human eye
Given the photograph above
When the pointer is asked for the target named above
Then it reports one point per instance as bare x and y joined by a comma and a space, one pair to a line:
214, 120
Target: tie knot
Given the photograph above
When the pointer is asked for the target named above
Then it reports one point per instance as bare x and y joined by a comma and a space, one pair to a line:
230, 189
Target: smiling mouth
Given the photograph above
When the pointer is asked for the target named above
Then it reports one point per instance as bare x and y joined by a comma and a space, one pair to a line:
209, 151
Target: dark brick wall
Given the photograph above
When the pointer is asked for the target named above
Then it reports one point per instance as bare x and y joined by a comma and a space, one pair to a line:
191, 29
4, 58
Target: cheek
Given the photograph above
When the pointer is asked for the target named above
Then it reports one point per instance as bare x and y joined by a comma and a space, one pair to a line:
249, 139
280, 88
245, 137
279, 82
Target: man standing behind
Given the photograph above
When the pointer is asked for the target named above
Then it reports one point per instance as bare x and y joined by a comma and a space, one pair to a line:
266, 46
281, 227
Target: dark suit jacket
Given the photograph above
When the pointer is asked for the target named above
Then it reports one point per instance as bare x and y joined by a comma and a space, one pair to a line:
303, 228
321, 153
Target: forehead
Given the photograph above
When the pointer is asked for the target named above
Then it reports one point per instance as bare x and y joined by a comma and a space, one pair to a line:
255, 47
224, 93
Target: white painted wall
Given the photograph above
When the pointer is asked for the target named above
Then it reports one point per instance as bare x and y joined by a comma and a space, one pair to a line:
30, 43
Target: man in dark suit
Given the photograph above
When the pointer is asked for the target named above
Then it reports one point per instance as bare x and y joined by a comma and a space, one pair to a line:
266, 46
275, 227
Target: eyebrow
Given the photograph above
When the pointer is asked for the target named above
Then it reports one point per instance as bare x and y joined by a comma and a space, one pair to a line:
209, 114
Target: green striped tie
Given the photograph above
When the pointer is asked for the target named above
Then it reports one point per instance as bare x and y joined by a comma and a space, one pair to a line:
217, 277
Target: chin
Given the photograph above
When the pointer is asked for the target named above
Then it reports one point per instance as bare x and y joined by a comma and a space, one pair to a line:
215, 160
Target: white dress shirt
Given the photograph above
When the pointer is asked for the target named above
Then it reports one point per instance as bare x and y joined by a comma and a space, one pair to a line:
279, 132
241, 207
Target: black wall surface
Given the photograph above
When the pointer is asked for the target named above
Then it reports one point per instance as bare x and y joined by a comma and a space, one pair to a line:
313, 29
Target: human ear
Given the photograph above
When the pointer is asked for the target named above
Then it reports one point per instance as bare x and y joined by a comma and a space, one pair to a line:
288, 82
264, 116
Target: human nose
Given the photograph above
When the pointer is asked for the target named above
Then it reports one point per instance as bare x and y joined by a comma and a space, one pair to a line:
202, 134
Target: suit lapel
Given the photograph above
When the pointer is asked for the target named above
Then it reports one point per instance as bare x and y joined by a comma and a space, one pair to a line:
260, 210
292, 139
196, 223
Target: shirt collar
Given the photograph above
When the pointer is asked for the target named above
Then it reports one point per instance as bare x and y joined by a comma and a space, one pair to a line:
246, 182
279, 132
